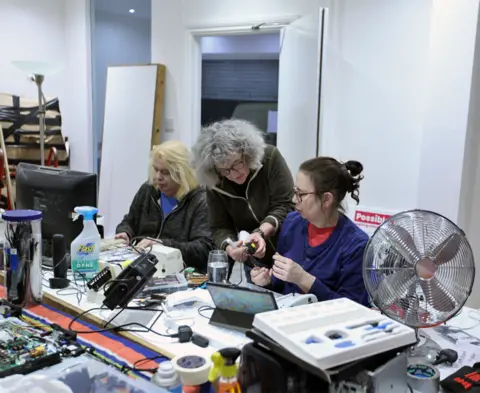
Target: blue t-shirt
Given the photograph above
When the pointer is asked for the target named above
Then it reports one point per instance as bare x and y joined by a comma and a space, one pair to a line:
167, 204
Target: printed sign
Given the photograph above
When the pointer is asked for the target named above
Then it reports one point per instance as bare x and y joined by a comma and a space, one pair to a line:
368, 219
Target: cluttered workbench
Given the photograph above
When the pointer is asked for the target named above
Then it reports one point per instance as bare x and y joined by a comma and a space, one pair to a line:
287, 343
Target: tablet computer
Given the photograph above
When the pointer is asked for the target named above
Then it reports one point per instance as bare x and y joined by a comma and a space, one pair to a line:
235, 307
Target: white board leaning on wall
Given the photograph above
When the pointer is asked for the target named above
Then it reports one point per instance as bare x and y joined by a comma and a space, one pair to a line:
132, 122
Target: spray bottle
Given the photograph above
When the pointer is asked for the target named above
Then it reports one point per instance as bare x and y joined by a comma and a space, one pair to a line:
85, 249
223, 374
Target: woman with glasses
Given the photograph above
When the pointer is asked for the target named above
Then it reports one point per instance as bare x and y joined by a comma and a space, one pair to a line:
320, 250
170, 208
249, 187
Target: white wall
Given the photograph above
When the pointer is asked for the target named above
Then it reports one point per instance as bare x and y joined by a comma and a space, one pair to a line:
375, 69
118, 39
399, 102
172, 19
470, 190
76, 95
453, 35
55, 32
32, 32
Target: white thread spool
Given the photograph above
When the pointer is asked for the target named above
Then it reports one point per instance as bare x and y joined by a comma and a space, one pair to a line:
192, 369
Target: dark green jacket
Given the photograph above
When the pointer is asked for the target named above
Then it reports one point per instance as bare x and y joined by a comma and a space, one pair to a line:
268, 198
185, 228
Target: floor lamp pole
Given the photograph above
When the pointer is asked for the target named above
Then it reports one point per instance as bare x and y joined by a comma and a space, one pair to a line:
41, 115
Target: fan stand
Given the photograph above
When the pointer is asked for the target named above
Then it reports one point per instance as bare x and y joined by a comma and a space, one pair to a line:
425, 350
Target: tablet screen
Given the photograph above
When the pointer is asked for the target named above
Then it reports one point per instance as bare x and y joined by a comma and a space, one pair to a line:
240, 299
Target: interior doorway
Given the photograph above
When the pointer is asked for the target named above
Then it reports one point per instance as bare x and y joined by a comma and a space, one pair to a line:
300, 72
240, 80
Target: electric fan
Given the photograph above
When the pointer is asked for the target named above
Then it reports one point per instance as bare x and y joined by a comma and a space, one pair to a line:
418, 268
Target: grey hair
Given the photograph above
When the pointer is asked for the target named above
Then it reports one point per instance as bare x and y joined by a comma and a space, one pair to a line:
219, 141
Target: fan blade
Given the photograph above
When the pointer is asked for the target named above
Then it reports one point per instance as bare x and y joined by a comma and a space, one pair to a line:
402, 242
411, 316
447, 249
436, 295
394, 286
411, 308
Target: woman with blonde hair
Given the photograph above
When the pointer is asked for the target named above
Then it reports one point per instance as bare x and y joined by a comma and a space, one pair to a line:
171, 208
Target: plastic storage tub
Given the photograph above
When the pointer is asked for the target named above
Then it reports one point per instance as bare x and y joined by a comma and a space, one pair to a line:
81, 375
23, 256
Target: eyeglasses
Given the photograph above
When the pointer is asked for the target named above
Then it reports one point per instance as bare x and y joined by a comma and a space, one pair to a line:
300, 194
237, 166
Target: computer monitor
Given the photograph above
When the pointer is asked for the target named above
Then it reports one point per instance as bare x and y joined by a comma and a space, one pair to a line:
55, 192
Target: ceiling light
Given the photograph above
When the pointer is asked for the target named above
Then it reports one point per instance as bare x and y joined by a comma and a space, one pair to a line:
131, 10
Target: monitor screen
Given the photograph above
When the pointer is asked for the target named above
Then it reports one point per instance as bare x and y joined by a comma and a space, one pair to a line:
244, 300
55, 192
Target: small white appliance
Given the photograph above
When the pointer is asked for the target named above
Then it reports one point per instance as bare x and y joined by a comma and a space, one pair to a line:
118, 257
170, 260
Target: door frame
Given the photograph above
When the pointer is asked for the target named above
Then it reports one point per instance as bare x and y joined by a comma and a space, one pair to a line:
193, 64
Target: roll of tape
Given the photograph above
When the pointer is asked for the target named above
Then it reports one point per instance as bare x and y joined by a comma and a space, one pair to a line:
192, 369
423, 378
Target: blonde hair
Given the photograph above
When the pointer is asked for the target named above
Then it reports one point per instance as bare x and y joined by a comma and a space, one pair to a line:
176, 158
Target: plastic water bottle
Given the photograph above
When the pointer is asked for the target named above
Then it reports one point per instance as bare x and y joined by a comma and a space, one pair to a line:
85, 249
167, 378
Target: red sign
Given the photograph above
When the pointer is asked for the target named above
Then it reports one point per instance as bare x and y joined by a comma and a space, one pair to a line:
370, 218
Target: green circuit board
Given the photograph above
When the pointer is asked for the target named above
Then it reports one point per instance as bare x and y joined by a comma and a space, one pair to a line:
23, 349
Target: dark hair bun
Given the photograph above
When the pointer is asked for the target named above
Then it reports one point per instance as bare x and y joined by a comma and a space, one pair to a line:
354, 167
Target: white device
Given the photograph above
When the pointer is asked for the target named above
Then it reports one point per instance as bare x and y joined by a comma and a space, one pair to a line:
170, 260
295, 299
192, 296
332, 333
243, 236
118, 256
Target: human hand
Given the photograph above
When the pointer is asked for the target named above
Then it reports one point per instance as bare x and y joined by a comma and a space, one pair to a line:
260, 245
287, 270
147, 242
261, 276
123, 236
239, 253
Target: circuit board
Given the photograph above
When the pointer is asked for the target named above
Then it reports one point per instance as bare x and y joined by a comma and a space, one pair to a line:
23, 349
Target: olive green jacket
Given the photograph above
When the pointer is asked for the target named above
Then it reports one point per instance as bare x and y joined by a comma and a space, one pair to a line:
268, 198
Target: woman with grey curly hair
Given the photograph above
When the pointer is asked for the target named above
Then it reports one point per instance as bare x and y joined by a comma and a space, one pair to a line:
249, 187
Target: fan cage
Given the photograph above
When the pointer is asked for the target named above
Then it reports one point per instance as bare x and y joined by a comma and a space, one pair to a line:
398, 262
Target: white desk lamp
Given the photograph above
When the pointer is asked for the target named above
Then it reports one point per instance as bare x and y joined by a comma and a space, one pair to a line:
38, 71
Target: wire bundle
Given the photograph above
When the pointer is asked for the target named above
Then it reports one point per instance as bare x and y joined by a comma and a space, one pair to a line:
20, 254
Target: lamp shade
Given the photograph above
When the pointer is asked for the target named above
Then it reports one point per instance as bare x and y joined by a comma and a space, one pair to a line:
37, 67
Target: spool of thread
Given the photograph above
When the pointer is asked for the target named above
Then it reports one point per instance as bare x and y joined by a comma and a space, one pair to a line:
423, 378
192, 369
